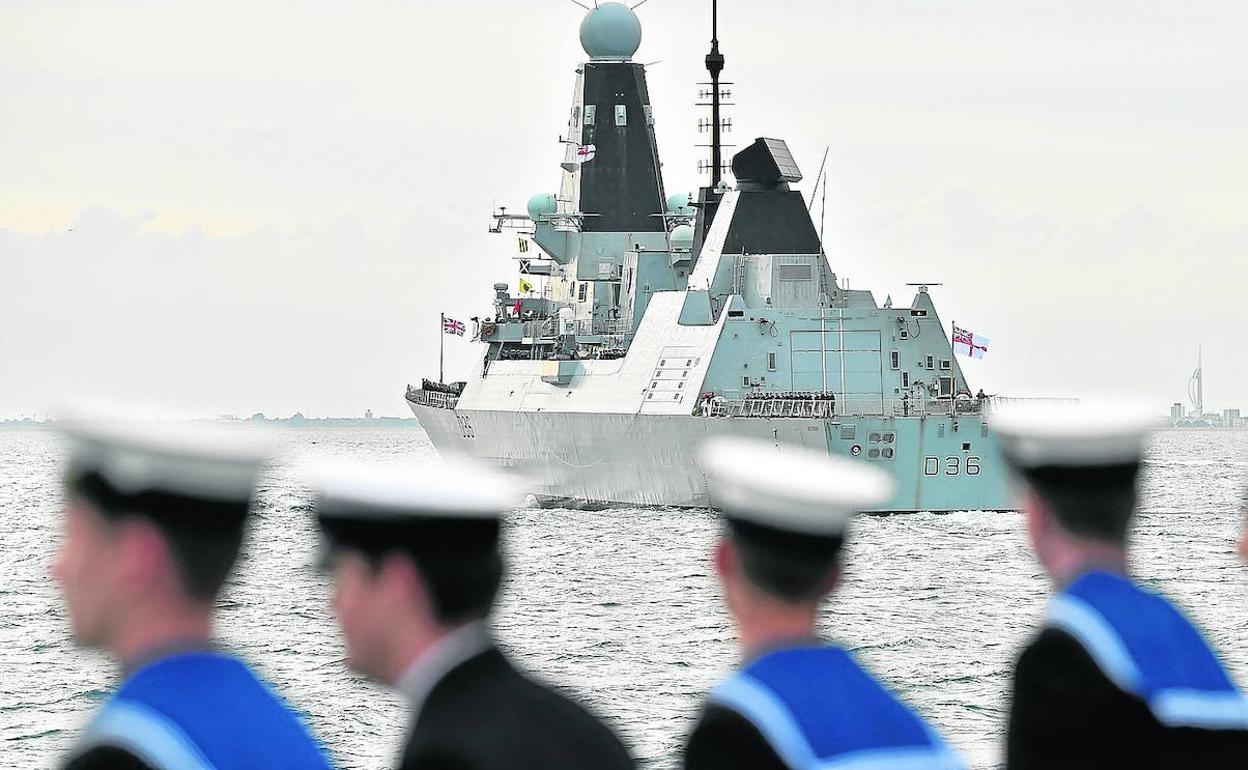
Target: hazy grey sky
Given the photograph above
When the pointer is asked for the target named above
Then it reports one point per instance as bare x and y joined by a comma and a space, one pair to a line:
264, 206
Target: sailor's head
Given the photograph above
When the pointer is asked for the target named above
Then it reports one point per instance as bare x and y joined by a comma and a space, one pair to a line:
1078, 468
414, 552
154, 521
787, 511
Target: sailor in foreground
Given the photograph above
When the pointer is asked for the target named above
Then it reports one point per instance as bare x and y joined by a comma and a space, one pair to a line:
1116, 677
797, 701
153, 523
417, 564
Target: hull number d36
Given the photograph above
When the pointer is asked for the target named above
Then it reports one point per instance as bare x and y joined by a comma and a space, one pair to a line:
951, 466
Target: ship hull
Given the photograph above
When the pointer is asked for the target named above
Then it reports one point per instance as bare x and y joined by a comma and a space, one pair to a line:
578, 459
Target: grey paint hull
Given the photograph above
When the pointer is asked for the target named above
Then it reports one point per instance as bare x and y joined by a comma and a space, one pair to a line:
940, 463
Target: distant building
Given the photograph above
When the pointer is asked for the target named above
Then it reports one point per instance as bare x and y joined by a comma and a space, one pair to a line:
1231, 418
1176, 411
368, 414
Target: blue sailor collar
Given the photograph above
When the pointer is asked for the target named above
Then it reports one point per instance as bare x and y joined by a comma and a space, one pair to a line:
1150, 650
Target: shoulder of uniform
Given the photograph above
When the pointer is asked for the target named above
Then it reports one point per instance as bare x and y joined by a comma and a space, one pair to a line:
488, 686
131, 727
106, 757
725, 739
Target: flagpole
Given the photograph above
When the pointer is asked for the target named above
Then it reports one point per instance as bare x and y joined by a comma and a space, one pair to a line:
953, 362
441, 349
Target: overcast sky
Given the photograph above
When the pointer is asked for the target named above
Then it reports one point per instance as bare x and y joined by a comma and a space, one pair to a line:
263, 206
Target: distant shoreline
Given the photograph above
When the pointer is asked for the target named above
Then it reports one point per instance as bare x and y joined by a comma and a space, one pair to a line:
297, 421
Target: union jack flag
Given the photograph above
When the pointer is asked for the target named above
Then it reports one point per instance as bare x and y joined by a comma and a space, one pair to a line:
451, 326
969, 343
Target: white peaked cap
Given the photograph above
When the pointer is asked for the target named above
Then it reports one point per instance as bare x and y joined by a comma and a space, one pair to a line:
1066, 435
347, 488
194, 460
790, 488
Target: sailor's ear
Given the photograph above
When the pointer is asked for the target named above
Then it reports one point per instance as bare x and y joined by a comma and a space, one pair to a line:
1243, 538
1040, 521
833, 580
401, 578
725, 557
143, 554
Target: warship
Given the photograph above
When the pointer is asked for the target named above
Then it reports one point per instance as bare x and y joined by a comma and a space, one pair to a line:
664, 321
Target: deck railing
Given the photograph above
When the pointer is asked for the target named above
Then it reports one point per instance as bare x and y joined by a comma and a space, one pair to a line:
817, 407
827, 408
432, 398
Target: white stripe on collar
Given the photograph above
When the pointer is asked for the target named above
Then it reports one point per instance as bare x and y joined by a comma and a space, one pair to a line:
424, 673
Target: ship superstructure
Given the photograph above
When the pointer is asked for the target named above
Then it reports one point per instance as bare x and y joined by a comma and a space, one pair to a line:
665, 321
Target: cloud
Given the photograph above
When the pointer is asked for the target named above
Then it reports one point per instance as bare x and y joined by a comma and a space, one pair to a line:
327, 320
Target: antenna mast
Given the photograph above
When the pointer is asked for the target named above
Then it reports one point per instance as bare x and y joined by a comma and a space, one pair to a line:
715, 65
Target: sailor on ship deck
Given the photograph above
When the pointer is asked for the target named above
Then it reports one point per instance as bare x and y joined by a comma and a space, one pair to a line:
1116, 675
796, 701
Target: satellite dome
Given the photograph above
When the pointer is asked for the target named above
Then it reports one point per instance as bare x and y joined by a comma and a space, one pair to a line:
611, 31
678, 204
542, 203
682, 238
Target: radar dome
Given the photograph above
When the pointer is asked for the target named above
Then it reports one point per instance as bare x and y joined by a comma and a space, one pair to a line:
611, 31
678, 204
682, 237
542, 203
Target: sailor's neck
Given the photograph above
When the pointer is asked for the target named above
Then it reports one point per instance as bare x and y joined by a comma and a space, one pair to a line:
159, 635
1089, 557
773, 626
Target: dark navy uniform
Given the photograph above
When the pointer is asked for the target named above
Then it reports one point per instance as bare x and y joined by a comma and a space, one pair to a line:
797, 704
485, 714
1117, 677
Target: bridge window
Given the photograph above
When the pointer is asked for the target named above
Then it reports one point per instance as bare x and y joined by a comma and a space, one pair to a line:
945, 364
621, 115
589, 114
794, 272
581, 292
771, 362
930, 362
896, 358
